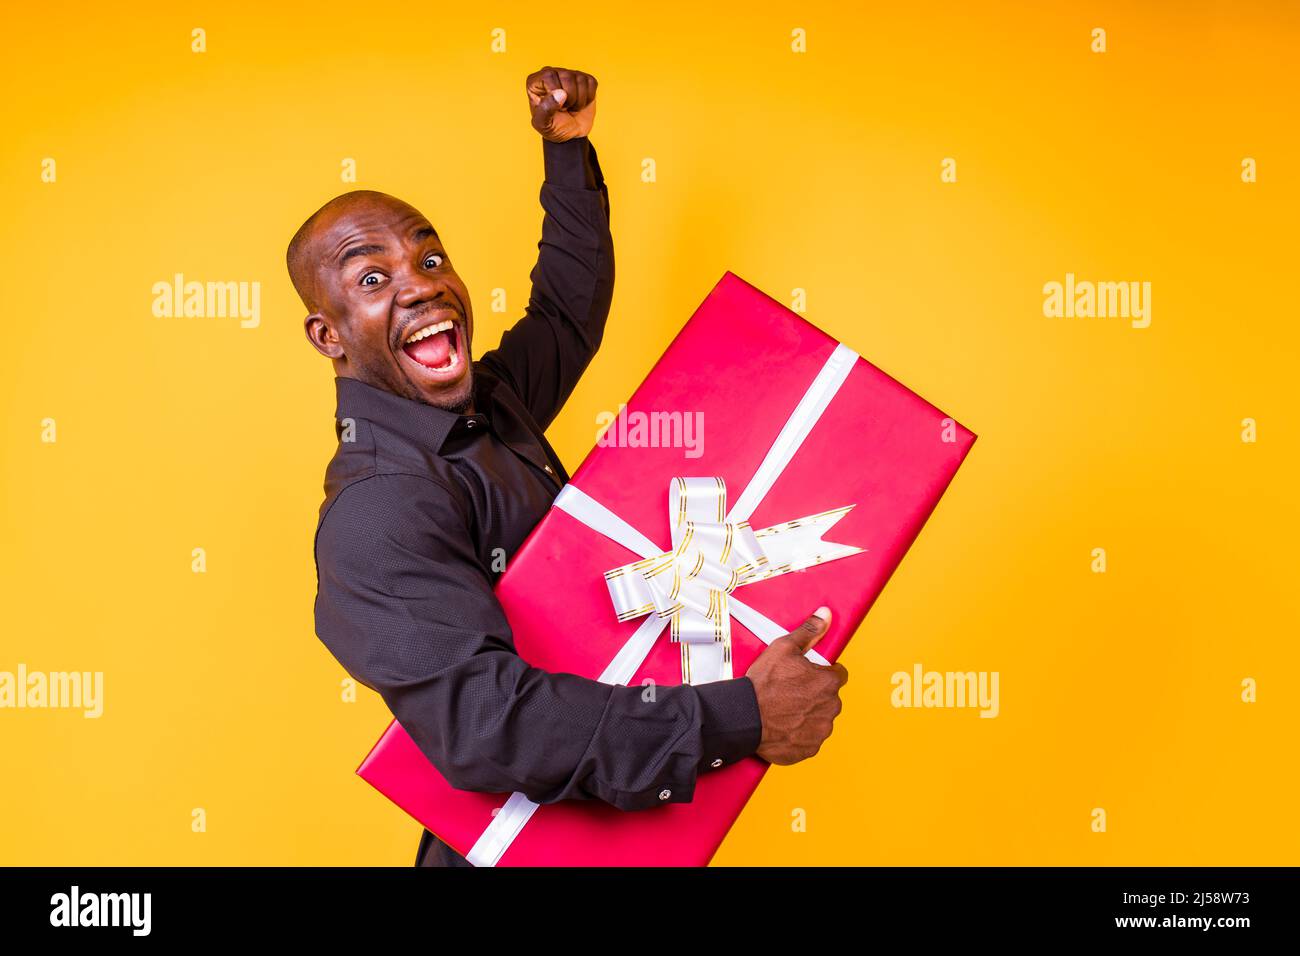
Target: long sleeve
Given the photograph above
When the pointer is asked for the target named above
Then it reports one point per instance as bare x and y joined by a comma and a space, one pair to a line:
544, 353
405, 606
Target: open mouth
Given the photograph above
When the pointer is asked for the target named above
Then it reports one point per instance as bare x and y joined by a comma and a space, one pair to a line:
437, 347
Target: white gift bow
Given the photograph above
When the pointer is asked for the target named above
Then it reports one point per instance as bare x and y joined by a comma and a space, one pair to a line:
509, 820
711, 556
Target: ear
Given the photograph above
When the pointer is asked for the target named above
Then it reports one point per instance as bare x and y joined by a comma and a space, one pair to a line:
322, 336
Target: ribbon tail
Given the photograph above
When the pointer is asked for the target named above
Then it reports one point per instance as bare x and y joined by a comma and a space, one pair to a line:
706, 663
796, 545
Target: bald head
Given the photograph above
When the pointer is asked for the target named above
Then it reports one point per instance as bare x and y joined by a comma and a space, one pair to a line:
306, 249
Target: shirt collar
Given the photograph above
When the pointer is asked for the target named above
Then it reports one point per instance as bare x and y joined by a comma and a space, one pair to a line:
422, 424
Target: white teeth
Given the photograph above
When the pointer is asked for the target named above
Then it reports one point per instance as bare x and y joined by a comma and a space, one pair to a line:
427, 331
453, 358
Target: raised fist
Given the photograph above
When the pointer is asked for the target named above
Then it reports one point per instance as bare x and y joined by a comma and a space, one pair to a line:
563, 102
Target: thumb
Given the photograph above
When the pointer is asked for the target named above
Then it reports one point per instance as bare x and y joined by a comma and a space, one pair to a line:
807, 634
548, 106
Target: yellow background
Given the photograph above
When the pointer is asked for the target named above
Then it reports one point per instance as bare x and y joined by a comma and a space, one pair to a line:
818, 171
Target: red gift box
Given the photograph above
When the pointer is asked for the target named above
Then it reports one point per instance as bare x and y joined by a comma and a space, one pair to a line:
795, 425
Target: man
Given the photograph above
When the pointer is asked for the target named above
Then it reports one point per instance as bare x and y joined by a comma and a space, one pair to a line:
443, 469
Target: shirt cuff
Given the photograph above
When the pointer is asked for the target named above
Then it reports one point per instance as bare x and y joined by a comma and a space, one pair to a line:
572, 164
731, 727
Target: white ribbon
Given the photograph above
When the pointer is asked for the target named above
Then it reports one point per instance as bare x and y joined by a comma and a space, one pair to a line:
791, 543
691, 585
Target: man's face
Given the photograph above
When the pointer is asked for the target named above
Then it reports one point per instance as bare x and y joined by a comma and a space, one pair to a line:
390, 309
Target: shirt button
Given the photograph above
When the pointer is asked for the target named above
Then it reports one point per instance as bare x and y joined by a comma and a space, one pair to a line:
665, 794
548, 469
716, 763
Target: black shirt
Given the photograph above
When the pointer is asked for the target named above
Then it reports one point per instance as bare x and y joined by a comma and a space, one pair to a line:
423, 508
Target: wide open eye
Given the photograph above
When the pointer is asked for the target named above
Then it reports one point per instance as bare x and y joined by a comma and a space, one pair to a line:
433, 258
376, 276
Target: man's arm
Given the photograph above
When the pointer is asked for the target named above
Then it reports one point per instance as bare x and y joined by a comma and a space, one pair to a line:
405, 607
545, 353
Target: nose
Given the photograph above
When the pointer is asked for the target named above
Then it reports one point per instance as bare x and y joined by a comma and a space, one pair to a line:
416, 287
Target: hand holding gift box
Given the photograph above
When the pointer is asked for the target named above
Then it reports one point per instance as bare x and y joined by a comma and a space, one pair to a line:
814, 437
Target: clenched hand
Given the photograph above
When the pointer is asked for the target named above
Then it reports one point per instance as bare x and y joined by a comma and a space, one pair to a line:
563, 102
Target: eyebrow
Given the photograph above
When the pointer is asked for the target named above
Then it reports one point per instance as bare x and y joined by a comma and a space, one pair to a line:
419, 235
359, 251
